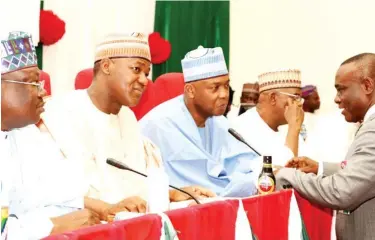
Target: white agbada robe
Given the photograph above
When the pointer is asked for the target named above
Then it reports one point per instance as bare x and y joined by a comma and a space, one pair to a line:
83, 131
37, 182
264, 139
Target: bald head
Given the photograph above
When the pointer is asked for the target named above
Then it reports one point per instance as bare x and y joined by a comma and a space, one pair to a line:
365, 63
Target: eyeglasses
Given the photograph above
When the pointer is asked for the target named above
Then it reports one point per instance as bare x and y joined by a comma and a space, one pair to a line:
295, 97
39, 85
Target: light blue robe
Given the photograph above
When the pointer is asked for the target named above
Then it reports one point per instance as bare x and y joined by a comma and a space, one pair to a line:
224, 165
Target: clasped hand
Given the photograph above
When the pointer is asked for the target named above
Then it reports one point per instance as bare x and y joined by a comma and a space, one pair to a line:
303, 164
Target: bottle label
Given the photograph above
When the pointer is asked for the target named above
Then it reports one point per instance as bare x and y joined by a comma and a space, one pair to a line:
266, 185
267, 165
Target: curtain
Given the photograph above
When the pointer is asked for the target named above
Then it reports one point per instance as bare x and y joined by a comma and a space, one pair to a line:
188, 24
39, 47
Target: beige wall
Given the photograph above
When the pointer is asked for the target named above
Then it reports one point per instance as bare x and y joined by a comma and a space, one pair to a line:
315, 36
87, 21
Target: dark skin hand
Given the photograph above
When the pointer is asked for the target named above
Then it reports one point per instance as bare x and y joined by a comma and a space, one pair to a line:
303, 164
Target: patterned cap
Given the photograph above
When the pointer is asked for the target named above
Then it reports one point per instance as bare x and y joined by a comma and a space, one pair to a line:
17, 52
203, 63
308, 90
250, 88
133, 45
279, 79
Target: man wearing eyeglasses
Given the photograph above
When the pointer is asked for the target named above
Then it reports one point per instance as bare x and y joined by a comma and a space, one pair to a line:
43, 191
193, 135
279, 103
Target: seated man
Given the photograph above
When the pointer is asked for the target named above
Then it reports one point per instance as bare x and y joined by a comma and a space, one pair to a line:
279, 103
44, 192
193, 135
96, 124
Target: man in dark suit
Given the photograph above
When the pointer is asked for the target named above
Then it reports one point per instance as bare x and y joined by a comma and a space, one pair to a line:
347, 186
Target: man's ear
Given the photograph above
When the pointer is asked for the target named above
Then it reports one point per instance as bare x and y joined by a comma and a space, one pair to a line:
272, 98
189, 90
368, 85
105, 65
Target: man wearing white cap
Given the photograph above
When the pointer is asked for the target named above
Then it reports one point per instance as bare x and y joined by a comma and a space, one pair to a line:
96, 124
279, 103
249, 97
193, 135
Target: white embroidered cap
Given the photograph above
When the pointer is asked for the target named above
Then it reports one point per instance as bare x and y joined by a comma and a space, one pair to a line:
280, 79
132, 45
203, 63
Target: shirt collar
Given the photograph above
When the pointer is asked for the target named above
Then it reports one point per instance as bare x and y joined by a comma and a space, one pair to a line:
369, 112
3, 135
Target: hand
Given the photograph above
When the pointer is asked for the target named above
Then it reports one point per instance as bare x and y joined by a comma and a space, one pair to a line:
152, 154
294, 113
75, 220
131, 204
196, 191
304, 164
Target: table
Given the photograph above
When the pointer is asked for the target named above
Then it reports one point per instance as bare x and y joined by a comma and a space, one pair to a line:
268, 217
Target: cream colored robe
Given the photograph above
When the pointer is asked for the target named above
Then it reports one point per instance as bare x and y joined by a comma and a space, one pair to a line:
84, 132
264, 139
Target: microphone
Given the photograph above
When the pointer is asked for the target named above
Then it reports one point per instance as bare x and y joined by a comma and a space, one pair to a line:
123, 166
241, 139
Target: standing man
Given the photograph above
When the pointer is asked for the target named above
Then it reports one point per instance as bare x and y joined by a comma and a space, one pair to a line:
193, 135
279, 103
249, 97
347, 186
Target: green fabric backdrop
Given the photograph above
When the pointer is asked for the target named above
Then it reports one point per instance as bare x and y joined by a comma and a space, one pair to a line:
188, 24
39, 48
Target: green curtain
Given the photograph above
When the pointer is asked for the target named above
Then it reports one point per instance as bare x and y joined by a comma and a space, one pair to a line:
39, 48
188, 24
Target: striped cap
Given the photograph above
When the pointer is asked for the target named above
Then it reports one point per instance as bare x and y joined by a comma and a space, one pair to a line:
17, 52
203, 63
250, 88
280, 79
133, 45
